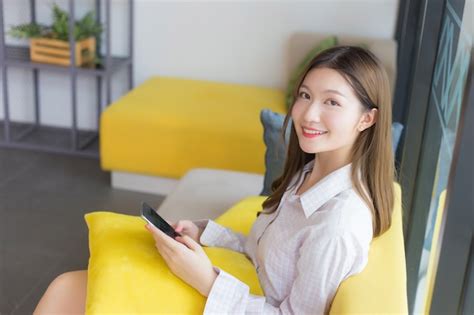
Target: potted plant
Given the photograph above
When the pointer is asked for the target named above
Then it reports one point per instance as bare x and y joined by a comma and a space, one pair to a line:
50, 44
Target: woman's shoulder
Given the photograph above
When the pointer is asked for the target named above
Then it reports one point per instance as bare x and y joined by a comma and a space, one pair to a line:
357, 217
346, 216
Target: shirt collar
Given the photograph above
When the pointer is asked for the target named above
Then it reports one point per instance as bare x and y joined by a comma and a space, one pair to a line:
328, 187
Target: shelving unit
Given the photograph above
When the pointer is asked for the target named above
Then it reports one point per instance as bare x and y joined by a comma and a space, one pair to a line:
71, 140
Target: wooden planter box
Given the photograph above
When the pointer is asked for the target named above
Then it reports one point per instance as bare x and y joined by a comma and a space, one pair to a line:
57, 51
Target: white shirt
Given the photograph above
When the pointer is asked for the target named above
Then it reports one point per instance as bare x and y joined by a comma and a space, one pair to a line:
301, 252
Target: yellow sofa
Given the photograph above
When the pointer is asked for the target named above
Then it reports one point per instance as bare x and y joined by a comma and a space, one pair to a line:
167, 126
127, 274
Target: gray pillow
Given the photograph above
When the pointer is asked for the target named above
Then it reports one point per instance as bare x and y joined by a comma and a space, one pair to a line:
276, 150
397, 129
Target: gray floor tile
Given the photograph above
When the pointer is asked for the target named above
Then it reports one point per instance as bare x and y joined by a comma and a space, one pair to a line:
43, 199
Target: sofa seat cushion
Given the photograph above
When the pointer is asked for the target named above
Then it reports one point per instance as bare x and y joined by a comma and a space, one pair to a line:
207, 193
167, 126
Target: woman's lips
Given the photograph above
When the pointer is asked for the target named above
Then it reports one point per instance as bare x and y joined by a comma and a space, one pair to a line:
313, 135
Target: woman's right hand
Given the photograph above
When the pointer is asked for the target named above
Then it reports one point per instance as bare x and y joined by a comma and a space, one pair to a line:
187, 227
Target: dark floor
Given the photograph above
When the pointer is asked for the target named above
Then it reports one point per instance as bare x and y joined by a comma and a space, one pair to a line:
43, 199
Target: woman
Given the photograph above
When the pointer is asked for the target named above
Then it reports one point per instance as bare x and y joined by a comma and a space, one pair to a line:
334, 196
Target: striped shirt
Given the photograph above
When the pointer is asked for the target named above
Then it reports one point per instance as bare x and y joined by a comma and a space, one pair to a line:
301, 252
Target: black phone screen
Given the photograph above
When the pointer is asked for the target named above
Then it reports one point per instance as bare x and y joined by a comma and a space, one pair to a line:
150, 215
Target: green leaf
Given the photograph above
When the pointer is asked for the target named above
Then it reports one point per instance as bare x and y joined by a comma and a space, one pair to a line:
84, 28
28, 30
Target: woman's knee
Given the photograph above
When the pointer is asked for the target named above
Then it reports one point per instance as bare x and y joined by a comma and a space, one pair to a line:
66, 292
70, 279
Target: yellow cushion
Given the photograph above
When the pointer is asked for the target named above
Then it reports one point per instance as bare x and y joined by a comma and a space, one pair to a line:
127, 275
167, 126
242, 215
126, 271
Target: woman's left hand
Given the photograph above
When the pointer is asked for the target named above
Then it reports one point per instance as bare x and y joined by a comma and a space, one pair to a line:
186, 259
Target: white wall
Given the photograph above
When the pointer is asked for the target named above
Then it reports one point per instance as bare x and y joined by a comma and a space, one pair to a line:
230, 41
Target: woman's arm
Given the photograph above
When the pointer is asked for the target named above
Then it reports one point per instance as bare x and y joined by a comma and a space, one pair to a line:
216, 235
322, 265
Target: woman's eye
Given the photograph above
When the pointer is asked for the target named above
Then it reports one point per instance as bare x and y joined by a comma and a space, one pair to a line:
333, 103
304, 95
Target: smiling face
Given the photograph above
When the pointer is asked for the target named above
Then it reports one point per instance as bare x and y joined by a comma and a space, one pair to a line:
327, 114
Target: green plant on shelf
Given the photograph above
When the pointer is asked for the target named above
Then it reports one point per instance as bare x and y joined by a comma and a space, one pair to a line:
83, 28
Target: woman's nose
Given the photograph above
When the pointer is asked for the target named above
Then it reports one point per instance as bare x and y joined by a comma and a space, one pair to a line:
312, 113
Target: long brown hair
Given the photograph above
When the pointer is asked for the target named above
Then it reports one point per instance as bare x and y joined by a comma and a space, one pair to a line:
372, 150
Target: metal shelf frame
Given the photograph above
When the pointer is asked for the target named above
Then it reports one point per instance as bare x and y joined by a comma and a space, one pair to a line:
19, 57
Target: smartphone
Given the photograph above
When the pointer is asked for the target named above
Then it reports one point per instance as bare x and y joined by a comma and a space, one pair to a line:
149, 214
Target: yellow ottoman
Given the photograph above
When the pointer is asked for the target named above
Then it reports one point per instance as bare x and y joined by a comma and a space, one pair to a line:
167, 126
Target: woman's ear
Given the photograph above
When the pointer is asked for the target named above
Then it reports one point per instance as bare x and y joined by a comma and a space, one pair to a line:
368, 119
